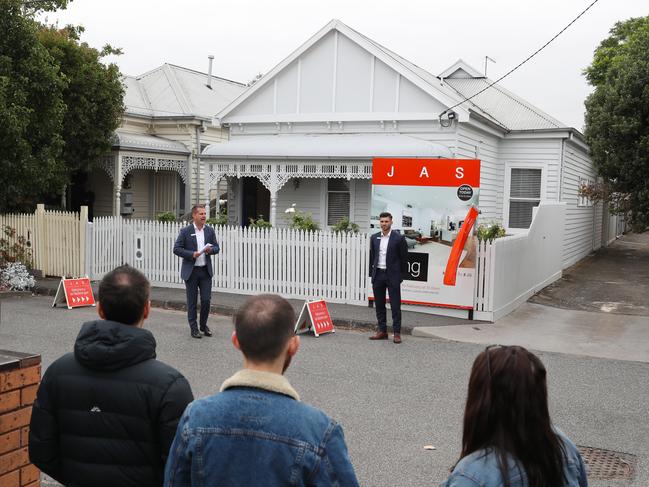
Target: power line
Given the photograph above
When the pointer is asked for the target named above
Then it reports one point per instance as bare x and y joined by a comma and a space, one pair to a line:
521, 63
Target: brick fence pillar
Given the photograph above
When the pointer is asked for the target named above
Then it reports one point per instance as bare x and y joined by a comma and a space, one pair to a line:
20, 374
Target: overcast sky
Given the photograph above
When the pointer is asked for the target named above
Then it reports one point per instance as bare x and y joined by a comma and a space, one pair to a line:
251, 36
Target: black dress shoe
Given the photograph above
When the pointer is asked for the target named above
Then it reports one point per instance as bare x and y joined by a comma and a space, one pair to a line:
206, 331
195, 334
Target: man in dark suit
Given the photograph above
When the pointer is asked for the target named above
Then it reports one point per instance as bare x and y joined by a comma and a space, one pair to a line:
196, 244
388, 265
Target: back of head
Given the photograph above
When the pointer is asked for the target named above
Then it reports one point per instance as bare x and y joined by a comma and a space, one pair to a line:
123, 295
507, 410
264, 324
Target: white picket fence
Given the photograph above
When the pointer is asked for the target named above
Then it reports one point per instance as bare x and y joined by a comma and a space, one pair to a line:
57, 239
295, 264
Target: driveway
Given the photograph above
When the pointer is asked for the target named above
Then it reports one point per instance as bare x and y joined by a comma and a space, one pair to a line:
613, 280
600, 308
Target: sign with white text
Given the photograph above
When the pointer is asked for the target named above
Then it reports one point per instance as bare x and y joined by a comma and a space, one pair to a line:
75, 293
315, 316
433, 203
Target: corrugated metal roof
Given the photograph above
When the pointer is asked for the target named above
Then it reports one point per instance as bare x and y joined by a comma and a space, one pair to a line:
502, 106
147, 143
174, 91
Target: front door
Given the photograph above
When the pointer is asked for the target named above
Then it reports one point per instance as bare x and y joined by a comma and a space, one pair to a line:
255, 201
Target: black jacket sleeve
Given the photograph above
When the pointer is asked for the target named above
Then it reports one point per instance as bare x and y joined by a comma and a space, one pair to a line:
44, 431
175, 400
179, 246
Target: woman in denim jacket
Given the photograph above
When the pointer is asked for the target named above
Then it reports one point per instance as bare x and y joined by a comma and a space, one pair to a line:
508, 438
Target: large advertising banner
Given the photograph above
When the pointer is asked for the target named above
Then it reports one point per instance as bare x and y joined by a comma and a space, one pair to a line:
433, 203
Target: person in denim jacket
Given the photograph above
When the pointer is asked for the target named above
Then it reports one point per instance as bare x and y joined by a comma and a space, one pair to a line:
508, 438
256, 431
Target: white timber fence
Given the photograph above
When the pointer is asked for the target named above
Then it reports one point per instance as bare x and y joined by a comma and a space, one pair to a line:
57, 239
292, 263
512, 268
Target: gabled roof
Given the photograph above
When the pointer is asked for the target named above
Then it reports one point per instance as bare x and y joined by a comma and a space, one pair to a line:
496, 103
173, 91
419, 77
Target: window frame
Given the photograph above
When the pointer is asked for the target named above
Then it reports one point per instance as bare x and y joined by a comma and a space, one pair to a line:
507, 191
351, 192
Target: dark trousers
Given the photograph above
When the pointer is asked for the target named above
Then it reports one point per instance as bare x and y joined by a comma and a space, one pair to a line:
380, 285
199, 280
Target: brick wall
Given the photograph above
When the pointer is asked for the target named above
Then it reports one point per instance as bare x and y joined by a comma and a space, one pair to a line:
20, 375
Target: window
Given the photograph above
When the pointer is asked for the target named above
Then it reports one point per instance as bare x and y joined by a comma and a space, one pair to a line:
524, 195
338, 200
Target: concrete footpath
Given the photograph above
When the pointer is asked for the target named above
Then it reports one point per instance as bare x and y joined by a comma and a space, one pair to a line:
344, 315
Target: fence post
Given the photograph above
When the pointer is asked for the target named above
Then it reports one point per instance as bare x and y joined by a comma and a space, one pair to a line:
83, 222
40, 239
89, 271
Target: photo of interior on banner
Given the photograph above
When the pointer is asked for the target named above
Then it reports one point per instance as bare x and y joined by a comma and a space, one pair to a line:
434, 204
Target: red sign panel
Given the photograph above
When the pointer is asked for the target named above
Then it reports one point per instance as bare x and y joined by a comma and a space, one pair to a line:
78, 292
426, 172
320, 317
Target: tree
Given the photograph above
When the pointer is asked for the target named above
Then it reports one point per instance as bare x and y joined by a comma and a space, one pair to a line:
617, 119
93, 95
31, 112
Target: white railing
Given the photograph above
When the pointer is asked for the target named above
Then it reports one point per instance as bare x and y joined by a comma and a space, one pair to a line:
513, 268
292, 263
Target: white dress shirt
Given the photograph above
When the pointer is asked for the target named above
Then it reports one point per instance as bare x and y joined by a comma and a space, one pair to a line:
200, 243
383, 250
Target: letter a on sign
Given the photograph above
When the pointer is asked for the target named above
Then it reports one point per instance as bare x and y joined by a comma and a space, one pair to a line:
315, 316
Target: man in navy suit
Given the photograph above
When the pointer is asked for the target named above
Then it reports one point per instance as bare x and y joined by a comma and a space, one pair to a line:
388, 265
196, 244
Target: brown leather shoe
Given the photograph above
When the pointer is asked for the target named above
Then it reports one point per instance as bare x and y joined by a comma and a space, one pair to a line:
397, 338
380, 335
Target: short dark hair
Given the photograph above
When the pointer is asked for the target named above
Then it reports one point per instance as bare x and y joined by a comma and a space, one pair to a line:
385, 214
264, 324
195, 208
123, 294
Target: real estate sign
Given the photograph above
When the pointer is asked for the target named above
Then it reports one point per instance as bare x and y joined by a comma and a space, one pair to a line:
433, 203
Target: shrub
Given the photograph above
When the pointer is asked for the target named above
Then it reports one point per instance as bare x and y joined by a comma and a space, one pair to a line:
16, 277
259, 222
14, 248
345, 226
490, 231
221, 219
166, 216
303, 221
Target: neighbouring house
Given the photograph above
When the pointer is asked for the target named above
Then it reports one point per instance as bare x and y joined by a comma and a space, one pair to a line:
154, 166
306, 133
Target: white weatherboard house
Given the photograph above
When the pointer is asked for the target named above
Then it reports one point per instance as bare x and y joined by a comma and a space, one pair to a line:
307, 131
154, 165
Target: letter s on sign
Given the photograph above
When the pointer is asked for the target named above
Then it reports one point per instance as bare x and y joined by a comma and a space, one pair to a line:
459, 172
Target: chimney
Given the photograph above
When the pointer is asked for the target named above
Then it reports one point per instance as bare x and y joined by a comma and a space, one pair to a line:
209, 72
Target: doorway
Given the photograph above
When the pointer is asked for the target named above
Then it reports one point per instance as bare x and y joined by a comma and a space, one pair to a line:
255, 201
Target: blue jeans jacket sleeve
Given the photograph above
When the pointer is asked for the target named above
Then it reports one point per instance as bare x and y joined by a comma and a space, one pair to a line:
179, 464
337, 468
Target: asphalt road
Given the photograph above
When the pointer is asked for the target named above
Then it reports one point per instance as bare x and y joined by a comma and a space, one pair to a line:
391, 399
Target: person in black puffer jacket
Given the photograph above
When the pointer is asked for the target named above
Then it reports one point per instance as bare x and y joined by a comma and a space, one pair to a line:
106, 414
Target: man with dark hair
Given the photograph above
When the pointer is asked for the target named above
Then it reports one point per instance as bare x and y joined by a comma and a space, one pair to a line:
388, 265
196, 243
256, 431
105, 415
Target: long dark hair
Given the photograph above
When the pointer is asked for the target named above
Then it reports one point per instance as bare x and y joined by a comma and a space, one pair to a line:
507, 413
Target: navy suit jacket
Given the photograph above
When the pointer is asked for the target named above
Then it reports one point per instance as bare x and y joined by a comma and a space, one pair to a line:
396, 259
186, 245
